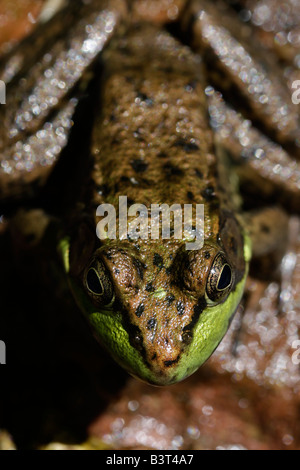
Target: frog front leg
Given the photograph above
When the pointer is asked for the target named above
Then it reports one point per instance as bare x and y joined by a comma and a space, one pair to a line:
276, 26
250, 77
263, 165
42, 75
263, 147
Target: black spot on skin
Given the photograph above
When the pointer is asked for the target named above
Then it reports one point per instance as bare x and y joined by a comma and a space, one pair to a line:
158, 260
265, 228
168, 271
169, 299
167, 69
199, 173
124, 179
162, 155
140, 310
170, 363
112, 117
154, 357
190, 195
139, 166
139, 268
187, 337
143, 97
151, 324
137, 342
180, 308
208, 193
117, 271
150, 287
108, 255
186, 145
207, 255
172, 170
126, 51
146, 182
136, 338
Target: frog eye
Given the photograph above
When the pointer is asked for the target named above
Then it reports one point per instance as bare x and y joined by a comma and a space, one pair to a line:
98, 284
220, 279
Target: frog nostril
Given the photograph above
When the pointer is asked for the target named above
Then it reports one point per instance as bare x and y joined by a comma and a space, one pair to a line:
187, 337
137, 342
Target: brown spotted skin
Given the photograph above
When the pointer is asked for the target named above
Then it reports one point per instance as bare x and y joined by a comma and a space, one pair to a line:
31, 78
156, 128
152, 143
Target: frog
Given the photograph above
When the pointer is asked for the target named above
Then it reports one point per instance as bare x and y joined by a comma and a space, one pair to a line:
162, 132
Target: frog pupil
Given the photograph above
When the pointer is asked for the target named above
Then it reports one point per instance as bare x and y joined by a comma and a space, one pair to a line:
225, 278
93, 282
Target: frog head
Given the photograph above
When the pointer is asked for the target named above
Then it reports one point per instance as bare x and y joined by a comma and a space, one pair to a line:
159, 309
